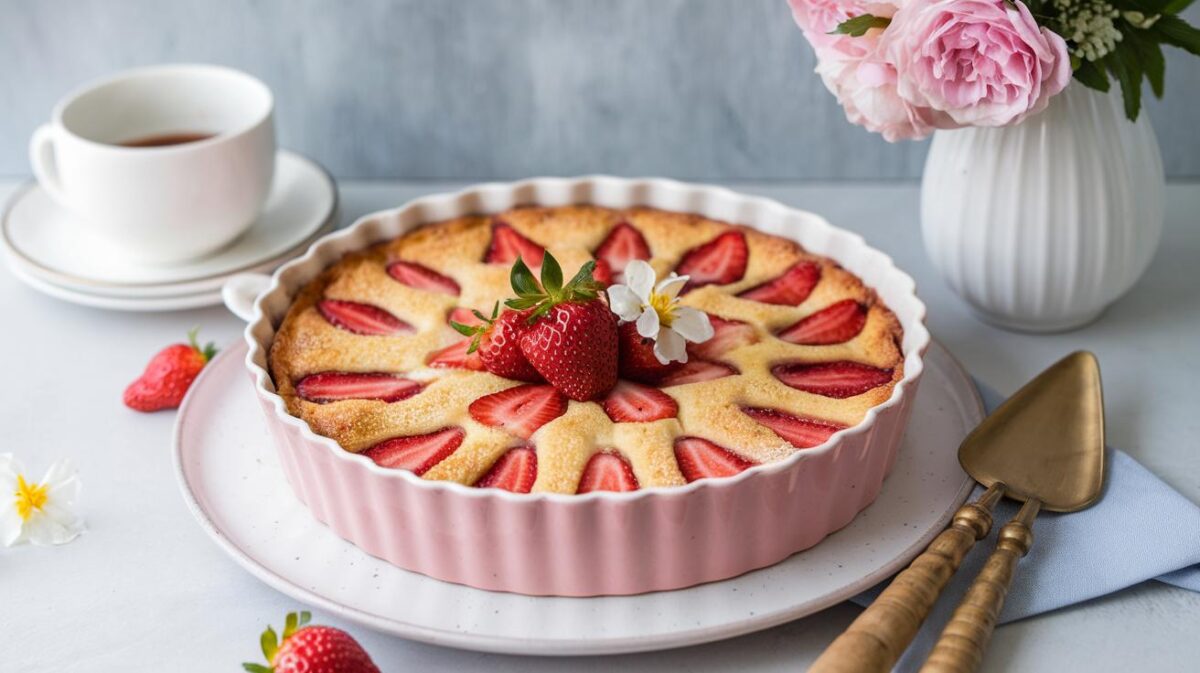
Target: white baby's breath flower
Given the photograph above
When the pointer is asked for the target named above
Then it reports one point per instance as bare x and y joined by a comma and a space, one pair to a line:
38, 512
656, 310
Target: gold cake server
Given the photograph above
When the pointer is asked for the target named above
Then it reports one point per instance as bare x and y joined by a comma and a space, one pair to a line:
1045, 447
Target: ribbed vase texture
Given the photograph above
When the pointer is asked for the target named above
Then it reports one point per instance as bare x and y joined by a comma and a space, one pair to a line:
1042, 225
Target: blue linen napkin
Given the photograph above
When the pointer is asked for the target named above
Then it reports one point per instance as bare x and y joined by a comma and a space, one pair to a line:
1141, 529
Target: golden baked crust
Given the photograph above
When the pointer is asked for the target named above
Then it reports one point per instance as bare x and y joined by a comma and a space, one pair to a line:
307, 344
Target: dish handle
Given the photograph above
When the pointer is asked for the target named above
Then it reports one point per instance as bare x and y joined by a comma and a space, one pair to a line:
240, 292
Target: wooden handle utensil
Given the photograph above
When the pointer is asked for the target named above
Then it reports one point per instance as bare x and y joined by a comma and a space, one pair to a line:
881, 633
961, 645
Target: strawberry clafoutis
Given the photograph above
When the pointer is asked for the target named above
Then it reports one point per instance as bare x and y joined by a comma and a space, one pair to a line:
580, 349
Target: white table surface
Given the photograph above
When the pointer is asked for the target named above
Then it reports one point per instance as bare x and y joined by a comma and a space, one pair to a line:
144, 587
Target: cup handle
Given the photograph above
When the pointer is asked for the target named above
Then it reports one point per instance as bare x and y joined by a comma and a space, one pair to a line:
240, 292
45, 162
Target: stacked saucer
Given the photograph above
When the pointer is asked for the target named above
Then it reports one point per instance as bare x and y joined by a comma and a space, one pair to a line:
47, 248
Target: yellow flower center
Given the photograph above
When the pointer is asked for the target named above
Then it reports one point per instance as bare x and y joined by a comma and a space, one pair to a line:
662, 305
30, 497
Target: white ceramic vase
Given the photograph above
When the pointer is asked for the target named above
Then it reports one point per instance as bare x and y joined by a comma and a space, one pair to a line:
1042, 225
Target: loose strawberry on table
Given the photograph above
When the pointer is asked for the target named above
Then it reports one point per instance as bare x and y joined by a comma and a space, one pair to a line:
571, 338
311, 649
168, 376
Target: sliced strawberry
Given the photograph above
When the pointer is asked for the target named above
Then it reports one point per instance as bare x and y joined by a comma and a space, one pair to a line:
789, 289
464, 316
603, 273
832, 379
507, 245
362, 318
802, 433
623, 243
720, 261
637, 359
727, 335
520, 410
422, 278
696, 371
455, 356
333, 386
417, 453
607, 472
835, 324
515, 471
701, 459
635, 403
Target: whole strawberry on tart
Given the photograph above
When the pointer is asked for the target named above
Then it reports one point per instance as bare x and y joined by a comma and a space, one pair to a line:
680, 348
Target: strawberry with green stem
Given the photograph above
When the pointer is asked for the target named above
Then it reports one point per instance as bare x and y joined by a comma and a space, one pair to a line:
311, 649
168, 375
498, 341
571, 334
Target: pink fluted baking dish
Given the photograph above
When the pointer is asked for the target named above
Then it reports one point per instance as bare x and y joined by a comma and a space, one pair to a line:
600, 543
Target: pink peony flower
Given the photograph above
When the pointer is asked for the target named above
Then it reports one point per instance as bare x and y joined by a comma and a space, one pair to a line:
855, 71
980, 62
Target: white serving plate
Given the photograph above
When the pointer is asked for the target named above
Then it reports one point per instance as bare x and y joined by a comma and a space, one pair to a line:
232, 482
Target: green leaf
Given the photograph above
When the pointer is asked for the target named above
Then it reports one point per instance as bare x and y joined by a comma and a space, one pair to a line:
289, 626
1125, 68
1150, 56
1176, 32
859, 25
1176, 6
305, 617
465, 330
1092, 76
522, 303
552, 276
523, 282
583, 277
269, 642
256, 668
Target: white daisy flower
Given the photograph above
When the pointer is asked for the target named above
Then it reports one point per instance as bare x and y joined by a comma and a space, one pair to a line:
38, 512
656, 310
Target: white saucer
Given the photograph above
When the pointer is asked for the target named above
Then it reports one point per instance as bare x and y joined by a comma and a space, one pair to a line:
232, 483
48, 247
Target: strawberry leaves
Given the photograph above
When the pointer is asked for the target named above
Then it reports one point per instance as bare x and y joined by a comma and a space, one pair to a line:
476, 331
270, 642
550, 292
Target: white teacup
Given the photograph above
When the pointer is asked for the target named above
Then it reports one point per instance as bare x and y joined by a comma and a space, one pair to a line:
162, 203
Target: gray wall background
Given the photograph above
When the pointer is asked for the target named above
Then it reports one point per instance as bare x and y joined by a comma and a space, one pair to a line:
700, 89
